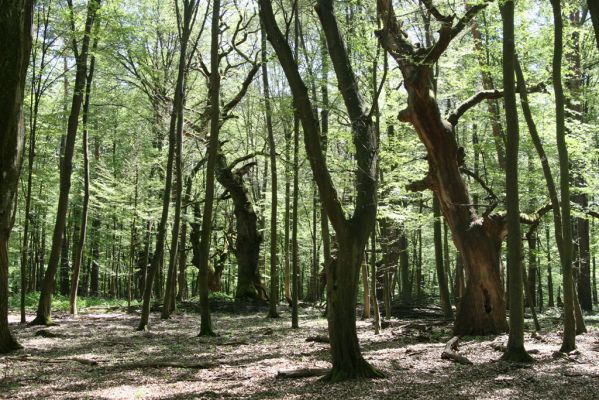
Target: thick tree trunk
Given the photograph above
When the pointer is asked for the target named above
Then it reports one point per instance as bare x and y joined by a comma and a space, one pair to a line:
249, 239
348, 362
478, 240
352, 234
15, 45
43, 316
482, 309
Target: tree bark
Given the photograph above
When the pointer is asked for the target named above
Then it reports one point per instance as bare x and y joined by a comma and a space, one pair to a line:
274, 271
478, 240
441, 276
213, 149
43, 316
176, 122
16, 18
84, 208
569, 335
352, 234
594, 11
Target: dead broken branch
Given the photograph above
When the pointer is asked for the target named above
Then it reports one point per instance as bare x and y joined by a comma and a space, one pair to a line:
451, 352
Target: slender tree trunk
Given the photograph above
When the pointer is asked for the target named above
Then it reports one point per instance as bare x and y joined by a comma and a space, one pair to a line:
295, 267
569, 335
404, 267
365, 292
274, 272
213, 147
324, 132
43, 316
515, 347
182, 277
84, 208
376, 317
175, 127
36, 95
441, 276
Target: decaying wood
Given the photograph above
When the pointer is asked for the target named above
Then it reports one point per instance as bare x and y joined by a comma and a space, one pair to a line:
318, 339
165, 364
28, 358
302, 373
451, 352
499, 347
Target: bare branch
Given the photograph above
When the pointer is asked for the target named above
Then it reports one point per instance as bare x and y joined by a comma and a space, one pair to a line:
493, 94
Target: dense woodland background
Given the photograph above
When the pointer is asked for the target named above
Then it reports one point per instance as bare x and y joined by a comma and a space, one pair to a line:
190, 172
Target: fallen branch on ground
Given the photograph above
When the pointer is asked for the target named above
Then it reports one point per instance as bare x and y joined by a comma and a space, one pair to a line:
302, 373
28, 358
318, 339
164, 364
451, 352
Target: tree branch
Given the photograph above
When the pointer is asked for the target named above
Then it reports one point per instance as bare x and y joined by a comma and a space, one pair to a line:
448, 32
487, 95
420, 185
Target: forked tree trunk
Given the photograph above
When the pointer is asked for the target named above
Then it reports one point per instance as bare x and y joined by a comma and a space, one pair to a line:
84, 208
352, 234
478, 240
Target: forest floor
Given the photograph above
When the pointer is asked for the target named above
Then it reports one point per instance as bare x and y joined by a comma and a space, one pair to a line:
99, 355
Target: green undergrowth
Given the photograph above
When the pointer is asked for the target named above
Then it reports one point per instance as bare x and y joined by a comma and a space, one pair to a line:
61, 303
